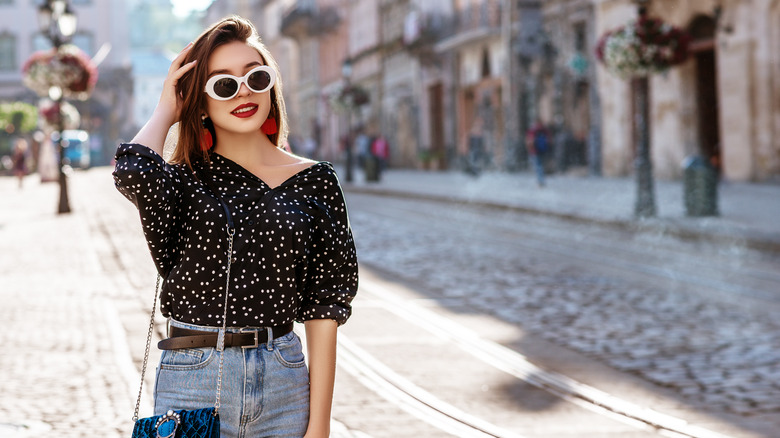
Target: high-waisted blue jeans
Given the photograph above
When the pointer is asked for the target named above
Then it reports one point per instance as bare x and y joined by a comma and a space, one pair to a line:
265, 390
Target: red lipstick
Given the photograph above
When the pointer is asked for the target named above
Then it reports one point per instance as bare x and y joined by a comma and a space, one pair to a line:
245, 110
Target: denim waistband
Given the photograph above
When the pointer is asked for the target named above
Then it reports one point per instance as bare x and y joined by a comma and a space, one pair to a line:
207, 328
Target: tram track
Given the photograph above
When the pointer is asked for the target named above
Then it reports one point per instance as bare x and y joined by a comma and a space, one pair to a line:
438, 413
736, 275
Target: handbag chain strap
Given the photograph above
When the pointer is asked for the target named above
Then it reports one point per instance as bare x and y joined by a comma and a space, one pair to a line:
221, 338
146, 353
231, 231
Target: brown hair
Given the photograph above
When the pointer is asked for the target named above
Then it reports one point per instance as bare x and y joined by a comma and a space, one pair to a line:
225, 31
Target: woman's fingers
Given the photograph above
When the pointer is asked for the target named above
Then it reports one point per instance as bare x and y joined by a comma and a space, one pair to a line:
183, 69
177, 62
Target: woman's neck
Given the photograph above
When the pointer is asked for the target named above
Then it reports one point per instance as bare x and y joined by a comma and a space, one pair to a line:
247, 149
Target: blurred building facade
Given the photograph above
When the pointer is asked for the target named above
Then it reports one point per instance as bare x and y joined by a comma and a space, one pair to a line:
156, 37
102, 33
723, 103
439, 71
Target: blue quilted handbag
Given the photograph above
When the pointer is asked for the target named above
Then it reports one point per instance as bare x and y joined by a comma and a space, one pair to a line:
199, 423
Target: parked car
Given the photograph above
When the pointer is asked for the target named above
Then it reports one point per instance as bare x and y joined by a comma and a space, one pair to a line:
76, 145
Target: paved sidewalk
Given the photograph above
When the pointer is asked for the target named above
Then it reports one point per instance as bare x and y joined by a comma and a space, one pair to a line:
749, 213
66, 367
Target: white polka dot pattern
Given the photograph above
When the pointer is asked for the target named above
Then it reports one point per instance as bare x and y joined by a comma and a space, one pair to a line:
293, 253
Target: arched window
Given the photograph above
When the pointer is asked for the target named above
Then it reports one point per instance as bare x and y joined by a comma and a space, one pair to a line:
485, 63
7, 52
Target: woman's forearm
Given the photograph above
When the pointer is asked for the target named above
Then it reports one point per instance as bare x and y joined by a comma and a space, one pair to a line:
321, 346
153, 133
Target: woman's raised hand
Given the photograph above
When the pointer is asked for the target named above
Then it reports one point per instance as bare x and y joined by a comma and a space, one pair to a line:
153, 133
170, 103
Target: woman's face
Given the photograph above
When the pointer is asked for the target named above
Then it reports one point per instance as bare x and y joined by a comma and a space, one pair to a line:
246, 111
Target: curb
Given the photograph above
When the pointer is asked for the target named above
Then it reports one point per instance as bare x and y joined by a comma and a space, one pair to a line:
758, 242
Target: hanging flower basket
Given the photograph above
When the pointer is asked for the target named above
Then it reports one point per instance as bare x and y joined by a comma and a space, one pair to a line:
642, 47
349, 97
70, 69
54, 119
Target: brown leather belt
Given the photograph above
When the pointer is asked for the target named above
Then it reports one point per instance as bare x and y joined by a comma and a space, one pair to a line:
250, 338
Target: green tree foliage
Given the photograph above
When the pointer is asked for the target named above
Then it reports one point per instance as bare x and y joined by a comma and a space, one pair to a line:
17, 118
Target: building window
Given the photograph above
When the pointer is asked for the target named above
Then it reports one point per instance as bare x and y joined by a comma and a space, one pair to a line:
84, 41
41, 42
7, 52
485, 73
580, 37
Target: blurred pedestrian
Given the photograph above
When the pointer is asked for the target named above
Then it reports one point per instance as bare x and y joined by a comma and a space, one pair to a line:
292, 258
381, 151
477, 157
48, 159
309, 148
537, 141
19, 160
362, 146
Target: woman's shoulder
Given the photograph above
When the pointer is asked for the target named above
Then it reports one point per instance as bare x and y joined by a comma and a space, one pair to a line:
309, 166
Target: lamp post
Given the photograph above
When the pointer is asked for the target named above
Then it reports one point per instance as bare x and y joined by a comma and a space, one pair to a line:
346, 73
58, 22
645, 196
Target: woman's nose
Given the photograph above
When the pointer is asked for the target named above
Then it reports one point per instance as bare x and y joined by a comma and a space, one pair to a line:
244, 90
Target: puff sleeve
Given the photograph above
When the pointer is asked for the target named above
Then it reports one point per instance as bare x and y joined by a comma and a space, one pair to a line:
143, 177
332, 268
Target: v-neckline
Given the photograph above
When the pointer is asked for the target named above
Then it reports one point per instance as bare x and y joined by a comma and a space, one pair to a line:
261, 180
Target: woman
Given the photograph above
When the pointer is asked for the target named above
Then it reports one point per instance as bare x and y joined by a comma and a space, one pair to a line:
20, 160
293, 257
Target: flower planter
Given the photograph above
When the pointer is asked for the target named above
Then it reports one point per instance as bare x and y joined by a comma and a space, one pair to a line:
642, 47
68, 68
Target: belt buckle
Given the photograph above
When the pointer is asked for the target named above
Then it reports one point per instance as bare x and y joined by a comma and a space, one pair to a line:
255, 332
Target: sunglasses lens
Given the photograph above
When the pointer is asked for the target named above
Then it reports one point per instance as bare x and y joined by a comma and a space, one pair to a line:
225, 87
259, 81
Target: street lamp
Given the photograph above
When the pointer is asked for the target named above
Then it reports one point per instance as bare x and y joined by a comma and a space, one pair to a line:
58, 22
346, 73
645, 196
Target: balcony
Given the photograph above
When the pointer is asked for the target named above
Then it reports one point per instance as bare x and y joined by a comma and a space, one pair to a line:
471, 24
305, 19
421, 33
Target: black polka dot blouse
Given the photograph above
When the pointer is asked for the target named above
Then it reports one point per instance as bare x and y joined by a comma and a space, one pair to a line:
293, 254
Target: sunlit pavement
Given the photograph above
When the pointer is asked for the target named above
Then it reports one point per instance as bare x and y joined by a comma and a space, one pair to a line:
86, 295
748, 213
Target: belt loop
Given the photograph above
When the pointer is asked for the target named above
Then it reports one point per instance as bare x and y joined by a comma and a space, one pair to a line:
270, 342
221, 340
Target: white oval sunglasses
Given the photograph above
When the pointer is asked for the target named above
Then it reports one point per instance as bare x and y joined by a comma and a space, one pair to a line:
225, 87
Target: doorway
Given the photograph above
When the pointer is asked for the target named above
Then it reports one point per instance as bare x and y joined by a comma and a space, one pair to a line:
702, 30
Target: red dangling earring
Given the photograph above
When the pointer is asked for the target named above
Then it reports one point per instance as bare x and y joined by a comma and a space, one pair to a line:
206, 140
269, 126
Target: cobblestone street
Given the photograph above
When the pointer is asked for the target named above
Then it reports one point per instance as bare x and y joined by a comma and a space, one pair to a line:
691, 317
